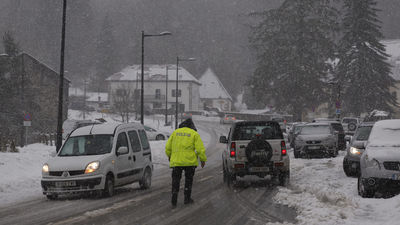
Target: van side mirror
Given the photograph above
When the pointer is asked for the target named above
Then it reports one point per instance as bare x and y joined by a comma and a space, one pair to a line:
223, 140
53, 154
122, 150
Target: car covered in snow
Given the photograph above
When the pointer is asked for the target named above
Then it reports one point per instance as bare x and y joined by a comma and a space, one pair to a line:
98, 158
316, 140
380, 162
351, 161
255, 148
156, 135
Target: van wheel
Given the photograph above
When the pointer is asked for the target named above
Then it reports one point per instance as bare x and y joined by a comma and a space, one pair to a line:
145, 182
160, 137
52, 196
108, 190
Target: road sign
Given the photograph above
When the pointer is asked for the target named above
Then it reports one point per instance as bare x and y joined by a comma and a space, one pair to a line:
27, 117
337, 111
27, 123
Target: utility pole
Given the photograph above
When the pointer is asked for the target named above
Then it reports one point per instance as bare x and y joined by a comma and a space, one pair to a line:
61, 82
84, 99
166, 95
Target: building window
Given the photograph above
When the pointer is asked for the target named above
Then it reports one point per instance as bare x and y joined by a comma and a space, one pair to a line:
179, 93
158, 93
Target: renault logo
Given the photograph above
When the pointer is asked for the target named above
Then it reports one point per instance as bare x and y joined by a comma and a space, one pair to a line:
65, 174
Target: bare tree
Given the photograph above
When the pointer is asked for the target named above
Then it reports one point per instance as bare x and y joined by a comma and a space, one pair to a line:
123, 102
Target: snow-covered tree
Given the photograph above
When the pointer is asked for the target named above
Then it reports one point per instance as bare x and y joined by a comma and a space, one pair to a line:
293, 44
363, 72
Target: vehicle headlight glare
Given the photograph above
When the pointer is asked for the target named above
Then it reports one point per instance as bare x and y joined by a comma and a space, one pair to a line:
45, 168
355, 151
91, 167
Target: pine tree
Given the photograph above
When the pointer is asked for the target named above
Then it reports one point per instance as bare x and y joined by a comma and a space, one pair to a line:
293, 44
106, 58
363, 71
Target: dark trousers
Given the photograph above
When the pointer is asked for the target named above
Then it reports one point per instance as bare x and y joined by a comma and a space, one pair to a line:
176, 179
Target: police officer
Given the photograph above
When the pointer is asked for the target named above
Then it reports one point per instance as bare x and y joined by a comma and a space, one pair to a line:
183, 149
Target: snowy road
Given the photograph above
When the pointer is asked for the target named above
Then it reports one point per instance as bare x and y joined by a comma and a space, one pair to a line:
215, 203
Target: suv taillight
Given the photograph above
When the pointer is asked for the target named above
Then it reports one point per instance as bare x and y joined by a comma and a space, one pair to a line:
283, 148
233, 149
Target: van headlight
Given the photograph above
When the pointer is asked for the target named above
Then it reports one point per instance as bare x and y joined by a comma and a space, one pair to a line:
45, 168
373, 164
355, 151
91, 167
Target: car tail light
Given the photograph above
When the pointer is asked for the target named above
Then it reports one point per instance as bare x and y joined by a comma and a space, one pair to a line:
226, 118
234, 118
239, 166
283, 148
233, 149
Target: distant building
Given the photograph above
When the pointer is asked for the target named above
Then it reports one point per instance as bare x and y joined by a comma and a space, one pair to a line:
213, 93
155, 80
94, 100
39, 88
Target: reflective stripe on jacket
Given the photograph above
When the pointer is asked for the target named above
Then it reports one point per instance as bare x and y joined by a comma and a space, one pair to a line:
183, 148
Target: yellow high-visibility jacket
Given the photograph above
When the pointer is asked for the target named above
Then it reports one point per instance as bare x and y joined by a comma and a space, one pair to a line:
183, 148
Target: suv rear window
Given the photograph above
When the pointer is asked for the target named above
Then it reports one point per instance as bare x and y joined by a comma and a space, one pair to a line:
264, 130
337, 127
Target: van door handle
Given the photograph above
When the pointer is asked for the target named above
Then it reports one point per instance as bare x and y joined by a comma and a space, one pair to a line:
129, 158
134, 158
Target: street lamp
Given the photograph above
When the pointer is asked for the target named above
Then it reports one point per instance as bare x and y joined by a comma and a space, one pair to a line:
165, 33
61, 82
176, 90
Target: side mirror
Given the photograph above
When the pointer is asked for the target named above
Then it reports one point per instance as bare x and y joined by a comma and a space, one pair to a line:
223, 140
122, 150
53, 154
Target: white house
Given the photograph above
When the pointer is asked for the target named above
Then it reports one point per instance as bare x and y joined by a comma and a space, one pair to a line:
157, 79
212, 92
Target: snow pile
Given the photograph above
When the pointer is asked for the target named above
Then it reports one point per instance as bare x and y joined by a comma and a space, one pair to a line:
21, 172
322, 194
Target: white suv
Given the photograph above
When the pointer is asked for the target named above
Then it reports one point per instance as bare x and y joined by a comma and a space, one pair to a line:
98, 158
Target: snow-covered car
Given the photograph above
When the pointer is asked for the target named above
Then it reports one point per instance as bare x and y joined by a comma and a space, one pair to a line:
255, 148
350, 125
351, 161
98, 158
316, 139
380, 162
227, 119
295, 128
154, 134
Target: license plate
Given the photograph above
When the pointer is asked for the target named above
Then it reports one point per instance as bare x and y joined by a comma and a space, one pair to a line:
259, 169
65, 183
313, 147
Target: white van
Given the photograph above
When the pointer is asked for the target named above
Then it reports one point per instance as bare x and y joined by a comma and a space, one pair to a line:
98, 158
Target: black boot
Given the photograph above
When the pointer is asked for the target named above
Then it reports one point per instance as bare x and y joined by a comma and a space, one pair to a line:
174, 199
188, 199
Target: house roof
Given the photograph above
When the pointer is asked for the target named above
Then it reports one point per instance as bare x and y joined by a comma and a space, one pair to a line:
393, 50
153, 72
212, 87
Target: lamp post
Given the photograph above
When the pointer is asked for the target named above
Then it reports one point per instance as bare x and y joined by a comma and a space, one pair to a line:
166, 95
61, 82
176, 90
165, 33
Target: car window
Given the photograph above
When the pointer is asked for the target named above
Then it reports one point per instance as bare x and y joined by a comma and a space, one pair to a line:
315, 129
87, 145
362, 133
135, 142
348, 120
143, 138
337, 127
253, 131
122, 141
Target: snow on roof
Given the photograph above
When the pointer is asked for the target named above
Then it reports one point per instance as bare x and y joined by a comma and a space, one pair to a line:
90, 96
393, 50
104, 128
212, 87
152, 72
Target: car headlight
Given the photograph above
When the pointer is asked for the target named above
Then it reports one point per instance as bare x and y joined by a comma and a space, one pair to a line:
91, 167
355, 151
45, 168
373, 164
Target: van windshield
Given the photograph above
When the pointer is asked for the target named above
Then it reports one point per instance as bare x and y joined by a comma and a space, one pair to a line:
87, 145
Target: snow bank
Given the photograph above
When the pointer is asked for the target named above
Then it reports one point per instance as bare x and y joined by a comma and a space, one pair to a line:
322, 194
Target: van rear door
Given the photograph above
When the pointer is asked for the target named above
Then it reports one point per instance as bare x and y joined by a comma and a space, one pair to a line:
137, 154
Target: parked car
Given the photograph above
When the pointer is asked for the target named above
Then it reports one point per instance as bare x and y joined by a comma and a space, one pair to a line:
316, 140
255, 148
351, 161
70, 125
337, 126
154, 134
228, 118
295, 128
186, 115
380, 162
98, 158
350, 125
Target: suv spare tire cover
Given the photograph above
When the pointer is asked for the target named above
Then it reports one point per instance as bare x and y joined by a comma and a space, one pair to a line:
258, 152
352, 126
